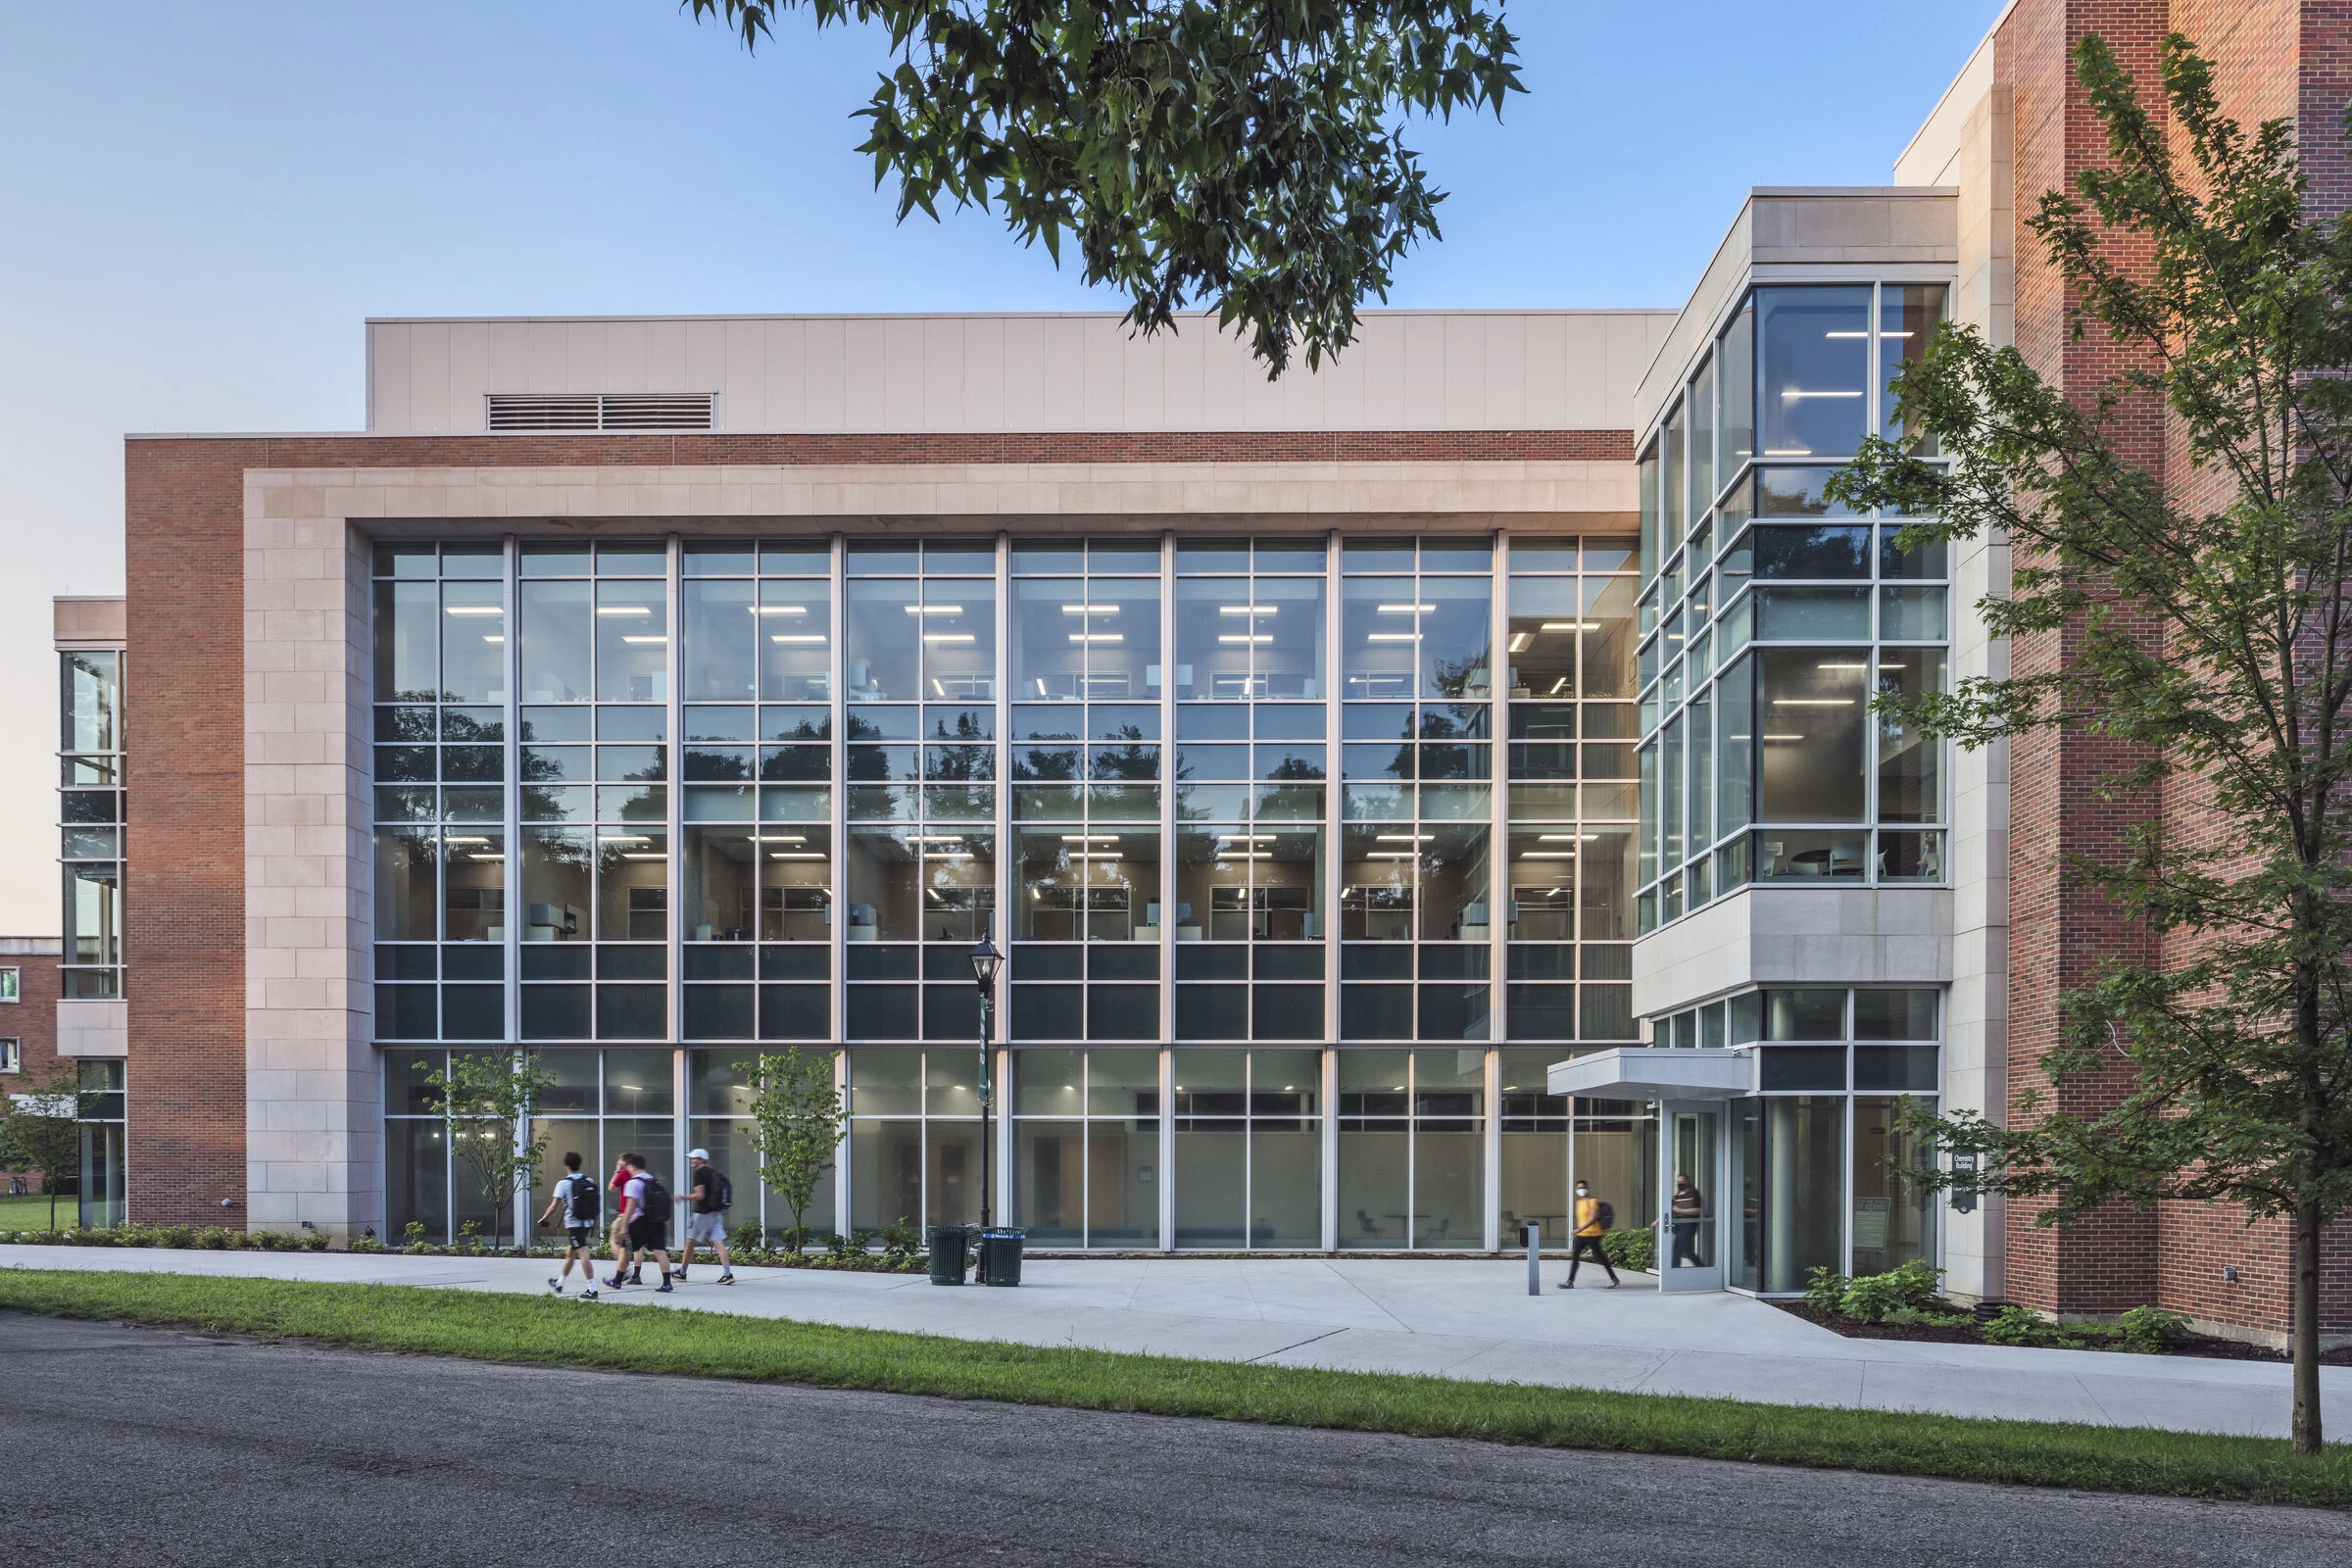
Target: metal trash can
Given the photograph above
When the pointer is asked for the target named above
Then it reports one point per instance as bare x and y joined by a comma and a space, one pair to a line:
1000, 1257
949, 1245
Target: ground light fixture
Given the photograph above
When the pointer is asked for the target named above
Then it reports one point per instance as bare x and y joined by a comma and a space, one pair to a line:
986, 961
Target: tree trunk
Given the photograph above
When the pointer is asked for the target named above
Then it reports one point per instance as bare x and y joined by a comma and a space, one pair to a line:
2307, 1327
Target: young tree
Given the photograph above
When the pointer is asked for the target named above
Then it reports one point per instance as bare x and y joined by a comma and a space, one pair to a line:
1247, 153
797, 1116
2215, 638
487, 1099
42, 1127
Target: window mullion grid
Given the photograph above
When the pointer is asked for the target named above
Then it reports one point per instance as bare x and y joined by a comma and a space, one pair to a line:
837, 794
510, 956
1334, 786
674, 900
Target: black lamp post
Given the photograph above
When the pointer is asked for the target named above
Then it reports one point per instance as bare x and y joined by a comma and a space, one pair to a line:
985, 961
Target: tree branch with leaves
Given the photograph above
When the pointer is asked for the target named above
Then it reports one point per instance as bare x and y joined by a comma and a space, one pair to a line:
1245, 155
2213, 640
486, 1101
797, 1122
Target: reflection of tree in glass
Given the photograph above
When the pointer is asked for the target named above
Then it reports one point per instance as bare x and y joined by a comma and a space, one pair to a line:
967, 727
1056, 765
1291, 769
1128, 761
1451, 676
409, 724
813, 728
458, 725
959, 764
729, 766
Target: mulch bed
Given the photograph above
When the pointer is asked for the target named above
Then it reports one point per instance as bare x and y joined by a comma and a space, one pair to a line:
2198, 1345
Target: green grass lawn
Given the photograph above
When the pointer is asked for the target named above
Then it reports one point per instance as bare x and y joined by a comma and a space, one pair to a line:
563, 1333
32, 1213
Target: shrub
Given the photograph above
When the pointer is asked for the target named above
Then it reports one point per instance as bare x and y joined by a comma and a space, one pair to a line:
366, 1243
1927, 1317
2150, 1329
2016, 1326
746, 1237
1635, 1250
901, 1241
1825, 1288
1912, 1288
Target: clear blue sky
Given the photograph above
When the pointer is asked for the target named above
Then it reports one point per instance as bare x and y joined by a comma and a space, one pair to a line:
200, 204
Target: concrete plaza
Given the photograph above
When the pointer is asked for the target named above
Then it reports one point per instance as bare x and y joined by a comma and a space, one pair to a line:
1465, 1318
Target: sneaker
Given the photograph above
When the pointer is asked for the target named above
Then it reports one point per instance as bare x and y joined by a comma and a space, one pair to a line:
588, 1294
728, 1278
555, 1286
679, 1275
636, 1276
1567, 1285
612, 1284
1613, 1284
663, 1288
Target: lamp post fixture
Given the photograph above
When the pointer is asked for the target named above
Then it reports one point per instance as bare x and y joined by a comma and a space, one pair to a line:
985, 961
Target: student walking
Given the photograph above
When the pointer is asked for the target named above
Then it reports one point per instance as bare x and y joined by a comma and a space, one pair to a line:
645, 1207
1593, 1220
575, 1201
1687, 1208
709, 1196
618, 1236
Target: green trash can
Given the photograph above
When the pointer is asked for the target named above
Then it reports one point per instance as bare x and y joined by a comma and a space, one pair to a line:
1000, 1257
949, 1245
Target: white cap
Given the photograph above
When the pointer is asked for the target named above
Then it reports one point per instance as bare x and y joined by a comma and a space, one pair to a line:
697, 1153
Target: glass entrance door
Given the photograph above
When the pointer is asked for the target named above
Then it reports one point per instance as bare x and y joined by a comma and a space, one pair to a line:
1689, 1232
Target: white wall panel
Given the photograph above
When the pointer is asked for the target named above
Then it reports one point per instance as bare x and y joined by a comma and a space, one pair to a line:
1408, 370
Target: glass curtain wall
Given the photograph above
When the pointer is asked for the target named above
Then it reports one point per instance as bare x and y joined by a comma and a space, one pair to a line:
103, 1174
914, 1151
1771, 616
1819, 1155
756, 791
1248, 816
756, 785
1088, 739
920, 771
1085, 1168
1248, 1139
1570, 674
1412, 1148
1417, 764
90, 819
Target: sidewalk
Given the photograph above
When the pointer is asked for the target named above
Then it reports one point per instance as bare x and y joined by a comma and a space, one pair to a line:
1457, 1318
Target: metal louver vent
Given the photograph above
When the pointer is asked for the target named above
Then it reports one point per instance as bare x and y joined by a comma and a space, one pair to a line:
614, 410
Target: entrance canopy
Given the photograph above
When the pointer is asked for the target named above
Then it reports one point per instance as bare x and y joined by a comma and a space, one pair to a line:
1649, 1072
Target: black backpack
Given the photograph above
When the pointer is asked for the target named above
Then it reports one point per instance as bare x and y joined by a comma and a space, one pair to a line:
1606, 1215
583, 1204
719, 1191
656, 1199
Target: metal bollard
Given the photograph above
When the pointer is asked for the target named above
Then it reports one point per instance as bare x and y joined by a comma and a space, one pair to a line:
1535, 1257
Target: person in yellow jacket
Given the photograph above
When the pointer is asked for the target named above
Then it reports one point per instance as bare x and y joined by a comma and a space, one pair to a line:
1590, 1228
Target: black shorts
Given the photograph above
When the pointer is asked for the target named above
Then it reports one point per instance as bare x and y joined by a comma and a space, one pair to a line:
580, 1237
646, 1235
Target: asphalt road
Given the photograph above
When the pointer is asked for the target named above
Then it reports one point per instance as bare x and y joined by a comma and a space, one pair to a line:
164, 1449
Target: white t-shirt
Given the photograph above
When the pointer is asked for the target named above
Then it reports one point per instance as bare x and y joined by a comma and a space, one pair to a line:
564, 1190
635, 1194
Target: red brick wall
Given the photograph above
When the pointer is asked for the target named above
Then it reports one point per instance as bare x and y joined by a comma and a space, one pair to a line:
183, 899
185, 540
1229, 446
2273, 58
2060, 928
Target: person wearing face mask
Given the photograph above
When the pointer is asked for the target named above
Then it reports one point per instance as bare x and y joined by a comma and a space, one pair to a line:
1593, 1219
